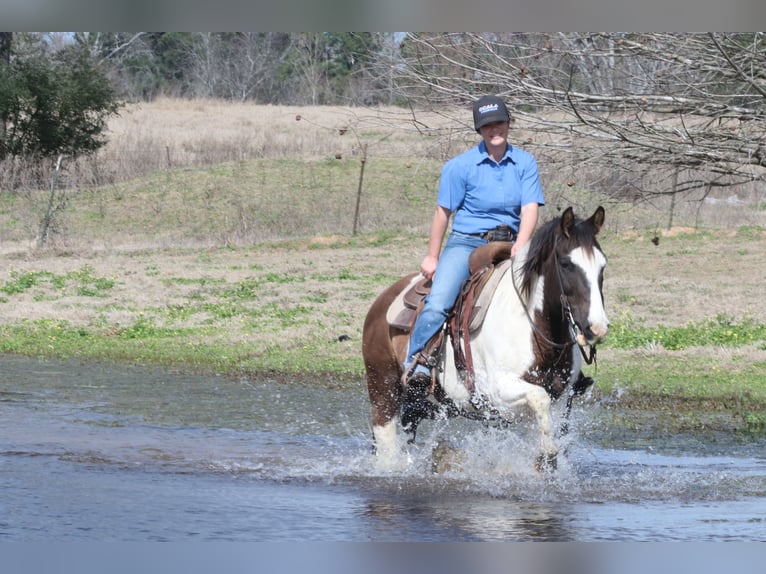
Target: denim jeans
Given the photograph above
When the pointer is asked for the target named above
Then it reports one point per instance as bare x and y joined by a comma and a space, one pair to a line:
451, 273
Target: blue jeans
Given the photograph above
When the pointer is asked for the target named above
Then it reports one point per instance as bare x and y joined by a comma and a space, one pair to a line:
451, 273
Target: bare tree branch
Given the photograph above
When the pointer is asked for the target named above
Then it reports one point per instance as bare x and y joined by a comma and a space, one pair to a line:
633, 105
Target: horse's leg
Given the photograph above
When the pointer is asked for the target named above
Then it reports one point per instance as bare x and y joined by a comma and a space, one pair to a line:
385, 400
383, 351
540, 404
389, 452
520, 394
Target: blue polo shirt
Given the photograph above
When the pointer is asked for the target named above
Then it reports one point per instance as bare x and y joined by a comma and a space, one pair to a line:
484, 194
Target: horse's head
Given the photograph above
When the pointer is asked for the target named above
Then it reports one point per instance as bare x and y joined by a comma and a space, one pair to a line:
579, 264
567, 254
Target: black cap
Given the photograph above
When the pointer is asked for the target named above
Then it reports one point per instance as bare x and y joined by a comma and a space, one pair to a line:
489, 109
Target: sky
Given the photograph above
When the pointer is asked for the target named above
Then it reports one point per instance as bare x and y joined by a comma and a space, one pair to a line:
385, 15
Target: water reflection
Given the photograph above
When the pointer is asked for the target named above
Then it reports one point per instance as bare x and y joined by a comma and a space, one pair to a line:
468, 518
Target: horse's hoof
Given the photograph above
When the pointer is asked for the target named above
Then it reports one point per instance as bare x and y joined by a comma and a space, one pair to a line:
546, 463
391, 460
582, 384
445, 457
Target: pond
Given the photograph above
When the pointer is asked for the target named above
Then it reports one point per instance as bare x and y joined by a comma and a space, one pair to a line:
94, 452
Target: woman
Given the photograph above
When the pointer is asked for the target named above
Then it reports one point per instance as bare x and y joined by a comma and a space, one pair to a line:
487, 187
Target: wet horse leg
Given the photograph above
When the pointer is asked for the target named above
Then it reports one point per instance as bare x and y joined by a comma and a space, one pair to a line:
389, 448
540, 403
385, 399
537, 400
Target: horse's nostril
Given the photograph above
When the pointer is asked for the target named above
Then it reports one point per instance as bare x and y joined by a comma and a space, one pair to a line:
597, 332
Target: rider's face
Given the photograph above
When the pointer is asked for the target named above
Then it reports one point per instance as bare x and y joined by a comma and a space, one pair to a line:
494, 134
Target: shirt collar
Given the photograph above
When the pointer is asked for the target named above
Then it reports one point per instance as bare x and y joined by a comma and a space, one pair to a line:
484, 154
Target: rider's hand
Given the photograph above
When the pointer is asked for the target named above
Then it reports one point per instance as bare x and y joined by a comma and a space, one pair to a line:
428, 266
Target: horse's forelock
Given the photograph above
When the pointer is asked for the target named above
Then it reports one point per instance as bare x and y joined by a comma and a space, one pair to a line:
583, 234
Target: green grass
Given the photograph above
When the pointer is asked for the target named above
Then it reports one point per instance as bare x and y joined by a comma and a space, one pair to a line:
658, 369
720, 331
684, 389
83, 282
193, 348
141, 342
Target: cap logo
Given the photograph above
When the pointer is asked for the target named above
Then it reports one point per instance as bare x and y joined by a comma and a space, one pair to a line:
488, 108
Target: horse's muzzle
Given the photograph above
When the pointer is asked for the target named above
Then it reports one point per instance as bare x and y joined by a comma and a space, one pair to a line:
593, 334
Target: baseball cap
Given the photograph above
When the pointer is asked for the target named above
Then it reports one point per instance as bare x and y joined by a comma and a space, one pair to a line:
489, 109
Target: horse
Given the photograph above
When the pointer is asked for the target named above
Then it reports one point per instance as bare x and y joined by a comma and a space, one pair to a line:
542, 316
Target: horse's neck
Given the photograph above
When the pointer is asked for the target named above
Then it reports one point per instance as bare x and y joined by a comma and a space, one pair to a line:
511, 311
540, 306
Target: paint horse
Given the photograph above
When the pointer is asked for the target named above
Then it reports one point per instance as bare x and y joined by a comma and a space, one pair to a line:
542, 316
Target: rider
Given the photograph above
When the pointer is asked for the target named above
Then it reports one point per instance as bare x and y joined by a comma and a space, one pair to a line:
489, 186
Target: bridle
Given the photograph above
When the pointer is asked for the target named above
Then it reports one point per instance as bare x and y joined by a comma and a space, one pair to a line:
574, 330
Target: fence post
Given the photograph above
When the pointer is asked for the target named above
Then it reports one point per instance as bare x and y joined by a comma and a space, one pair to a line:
673, 198
45, 224
363, 161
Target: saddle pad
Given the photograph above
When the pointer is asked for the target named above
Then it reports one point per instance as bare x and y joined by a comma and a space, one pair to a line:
479, 311
401, 315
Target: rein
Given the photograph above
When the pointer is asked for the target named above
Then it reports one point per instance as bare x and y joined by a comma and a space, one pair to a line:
573, 329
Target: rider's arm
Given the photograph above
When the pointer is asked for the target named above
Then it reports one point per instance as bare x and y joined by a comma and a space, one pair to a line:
435, 239
529, 214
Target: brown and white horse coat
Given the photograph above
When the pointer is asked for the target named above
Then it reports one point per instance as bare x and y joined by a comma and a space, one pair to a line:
526, 353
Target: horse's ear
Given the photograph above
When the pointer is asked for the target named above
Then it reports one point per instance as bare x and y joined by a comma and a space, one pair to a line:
597, 219
567, 220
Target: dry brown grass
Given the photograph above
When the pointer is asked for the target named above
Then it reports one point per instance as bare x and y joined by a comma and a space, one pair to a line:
177, 133
687, 278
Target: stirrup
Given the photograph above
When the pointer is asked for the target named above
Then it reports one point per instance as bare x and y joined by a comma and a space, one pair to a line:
421, 360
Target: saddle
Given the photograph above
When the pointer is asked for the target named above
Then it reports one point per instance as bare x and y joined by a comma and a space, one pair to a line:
487, 265
404, 310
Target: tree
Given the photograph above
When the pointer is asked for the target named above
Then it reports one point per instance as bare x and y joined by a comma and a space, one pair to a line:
268, 67
5, 46
239, 66
5, 62
350, 56
620, 105
54, 105
322, 67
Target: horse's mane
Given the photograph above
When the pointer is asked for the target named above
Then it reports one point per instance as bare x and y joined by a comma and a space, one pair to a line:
543, 242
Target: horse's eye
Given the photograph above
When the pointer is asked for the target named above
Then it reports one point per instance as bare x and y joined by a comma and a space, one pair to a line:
566, 264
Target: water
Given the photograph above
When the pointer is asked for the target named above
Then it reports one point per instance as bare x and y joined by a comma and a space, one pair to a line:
112, 453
